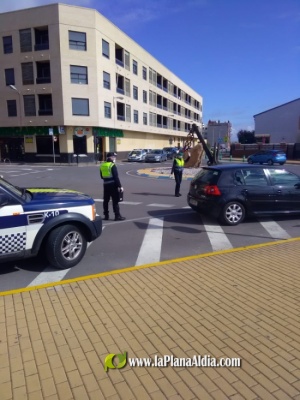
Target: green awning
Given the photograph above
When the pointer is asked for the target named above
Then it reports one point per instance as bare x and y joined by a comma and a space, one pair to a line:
108, 132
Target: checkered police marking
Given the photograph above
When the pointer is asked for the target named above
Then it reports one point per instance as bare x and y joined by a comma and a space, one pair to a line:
12, 243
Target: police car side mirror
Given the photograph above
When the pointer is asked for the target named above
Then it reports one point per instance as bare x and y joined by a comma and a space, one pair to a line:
4, 199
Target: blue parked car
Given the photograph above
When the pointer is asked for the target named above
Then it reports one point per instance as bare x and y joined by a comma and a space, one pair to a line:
269, 157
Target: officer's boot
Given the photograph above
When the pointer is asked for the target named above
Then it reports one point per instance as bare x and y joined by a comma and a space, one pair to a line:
106, 217
118, 217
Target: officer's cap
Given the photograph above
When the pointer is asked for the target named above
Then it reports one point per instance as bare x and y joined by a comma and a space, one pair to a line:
112, 154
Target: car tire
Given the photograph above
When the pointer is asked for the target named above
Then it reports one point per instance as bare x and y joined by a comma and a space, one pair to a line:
250, 161
270, 162
233, 213
281, 163
65, 246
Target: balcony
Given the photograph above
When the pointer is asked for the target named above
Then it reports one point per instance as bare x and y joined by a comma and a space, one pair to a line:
41, 46
46, 112
44, 79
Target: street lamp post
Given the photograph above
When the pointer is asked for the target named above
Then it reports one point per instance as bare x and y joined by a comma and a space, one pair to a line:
20, 111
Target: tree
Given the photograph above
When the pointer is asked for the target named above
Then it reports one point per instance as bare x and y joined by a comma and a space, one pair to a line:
246, 137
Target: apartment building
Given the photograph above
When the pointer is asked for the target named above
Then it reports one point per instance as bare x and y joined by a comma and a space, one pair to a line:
218, 132
74, 84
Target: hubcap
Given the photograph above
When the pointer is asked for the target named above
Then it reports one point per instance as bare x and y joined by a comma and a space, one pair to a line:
71, 245
234, 213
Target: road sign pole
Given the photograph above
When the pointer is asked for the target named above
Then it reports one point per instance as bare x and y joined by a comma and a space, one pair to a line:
53, 150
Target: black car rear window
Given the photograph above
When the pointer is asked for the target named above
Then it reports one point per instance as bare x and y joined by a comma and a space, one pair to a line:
207, 176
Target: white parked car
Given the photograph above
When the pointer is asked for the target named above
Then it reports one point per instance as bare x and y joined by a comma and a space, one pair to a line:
137, 155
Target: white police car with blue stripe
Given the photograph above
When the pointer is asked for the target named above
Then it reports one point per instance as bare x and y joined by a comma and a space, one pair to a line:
58, 222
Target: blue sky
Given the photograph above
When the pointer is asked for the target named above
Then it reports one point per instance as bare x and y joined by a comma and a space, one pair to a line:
242, 56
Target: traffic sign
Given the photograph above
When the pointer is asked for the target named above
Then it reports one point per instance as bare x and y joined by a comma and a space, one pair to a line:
54, 138
51, 131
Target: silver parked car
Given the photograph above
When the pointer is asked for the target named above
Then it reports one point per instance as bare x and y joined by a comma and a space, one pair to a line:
156, 155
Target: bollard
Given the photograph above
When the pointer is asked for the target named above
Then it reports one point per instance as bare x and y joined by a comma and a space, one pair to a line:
244, 158
230, 158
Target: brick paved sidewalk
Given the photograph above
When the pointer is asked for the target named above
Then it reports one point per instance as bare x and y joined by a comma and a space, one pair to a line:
236, 303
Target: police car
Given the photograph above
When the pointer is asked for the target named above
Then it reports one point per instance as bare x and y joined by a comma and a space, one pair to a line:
57, 222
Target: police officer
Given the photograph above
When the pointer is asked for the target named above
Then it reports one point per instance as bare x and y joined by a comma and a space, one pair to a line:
111, 186
177, 170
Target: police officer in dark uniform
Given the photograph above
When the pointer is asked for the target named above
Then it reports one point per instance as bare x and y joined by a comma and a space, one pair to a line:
177, 170
111, 186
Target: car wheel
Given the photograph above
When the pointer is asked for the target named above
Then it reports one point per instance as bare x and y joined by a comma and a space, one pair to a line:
281, 163
65, 246
233, 213
270, 162
250, 161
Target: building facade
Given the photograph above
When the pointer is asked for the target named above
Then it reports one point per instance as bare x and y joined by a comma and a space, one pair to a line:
74, 84
217, 132
279, 124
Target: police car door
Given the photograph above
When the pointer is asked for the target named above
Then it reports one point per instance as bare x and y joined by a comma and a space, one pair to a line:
13, 229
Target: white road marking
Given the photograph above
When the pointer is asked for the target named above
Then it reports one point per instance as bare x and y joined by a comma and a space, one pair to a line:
151, 247
160, 205
51, 274
128, 203
216, 235
274, 229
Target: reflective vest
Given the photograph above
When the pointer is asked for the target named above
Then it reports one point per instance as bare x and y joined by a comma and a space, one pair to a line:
105, 169
179, 163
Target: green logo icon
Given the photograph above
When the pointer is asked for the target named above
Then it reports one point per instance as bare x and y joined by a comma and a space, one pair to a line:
109, 361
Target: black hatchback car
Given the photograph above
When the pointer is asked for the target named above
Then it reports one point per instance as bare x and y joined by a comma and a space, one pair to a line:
230, 192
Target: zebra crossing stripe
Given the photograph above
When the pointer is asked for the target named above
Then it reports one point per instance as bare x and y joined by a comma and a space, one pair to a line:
151, 247
217, 237
275, 230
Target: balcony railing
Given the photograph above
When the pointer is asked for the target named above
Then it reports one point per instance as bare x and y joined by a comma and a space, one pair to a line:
46, 111
44, 79
41, 46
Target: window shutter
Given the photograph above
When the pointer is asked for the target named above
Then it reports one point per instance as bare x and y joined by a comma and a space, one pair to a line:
29, 105
127, 60
27, 73
127, 87
128, 113
25, 40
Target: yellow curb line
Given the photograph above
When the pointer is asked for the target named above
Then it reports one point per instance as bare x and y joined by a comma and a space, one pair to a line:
157, 264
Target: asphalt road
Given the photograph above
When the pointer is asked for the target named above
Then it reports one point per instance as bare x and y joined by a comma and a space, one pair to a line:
158, 226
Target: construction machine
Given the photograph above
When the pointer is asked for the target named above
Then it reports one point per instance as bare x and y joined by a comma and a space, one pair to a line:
194, 154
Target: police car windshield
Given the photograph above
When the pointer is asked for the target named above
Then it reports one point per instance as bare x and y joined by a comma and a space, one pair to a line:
11, 187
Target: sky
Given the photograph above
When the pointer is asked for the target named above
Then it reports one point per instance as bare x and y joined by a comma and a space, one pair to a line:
241, 56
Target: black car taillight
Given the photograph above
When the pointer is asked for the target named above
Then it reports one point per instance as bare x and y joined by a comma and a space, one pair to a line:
212, 190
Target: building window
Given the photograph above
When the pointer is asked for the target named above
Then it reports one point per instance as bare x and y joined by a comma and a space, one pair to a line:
77, 40
106, 80
41, 39
144, 96
25, 40
135, 93
128, 113
43, 72
127, 87
107, 110
127, 60
135, 67
105, 48
27, 73
29, 105
9, 76
11, 108
7, 44
145, 119
135, 116
145, 73
80, 106
45, 104
79, 74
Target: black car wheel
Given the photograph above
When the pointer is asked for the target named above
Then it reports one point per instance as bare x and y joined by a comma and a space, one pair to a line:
65, 246
270, 162
233, 213
281, 163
